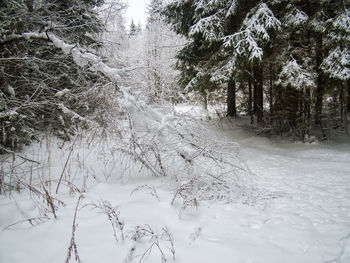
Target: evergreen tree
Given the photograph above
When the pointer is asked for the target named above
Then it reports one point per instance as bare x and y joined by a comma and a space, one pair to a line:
227, 36
134, 30
283, 51
42, 86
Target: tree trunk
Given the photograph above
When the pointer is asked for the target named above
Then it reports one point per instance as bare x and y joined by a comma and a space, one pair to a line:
346, 111
231, 98
308, 110
259, 93
271, 93
292, 106
205, 99
341, 102
320, 88
348, 97
255, 95
30, 4
250, 100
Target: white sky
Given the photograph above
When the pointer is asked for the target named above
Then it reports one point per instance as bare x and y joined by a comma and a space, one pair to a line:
136, 11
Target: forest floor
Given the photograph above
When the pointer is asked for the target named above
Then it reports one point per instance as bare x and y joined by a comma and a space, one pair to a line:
302, 213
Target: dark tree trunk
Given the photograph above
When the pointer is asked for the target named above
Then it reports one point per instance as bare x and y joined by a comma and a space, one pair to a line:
30, 4
320, 88
255, 95
271, 92
250, 100
348, 96
205, 100
341, 102
258, 93
308, 109
278, 116
292, 105
347, 102
231, 98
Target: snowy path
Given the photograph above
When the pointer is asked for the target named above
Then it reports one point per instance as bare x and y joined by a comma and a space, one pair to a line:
309, 221
302, 214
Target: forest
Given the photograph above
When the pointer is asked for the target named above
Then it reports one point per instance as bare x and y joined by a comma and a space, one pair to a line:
217, 128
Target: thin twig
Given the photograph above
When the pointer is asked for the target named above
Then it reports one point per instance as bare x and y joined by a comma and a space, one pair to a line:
65, 165
31, 221
73, 245
20, 156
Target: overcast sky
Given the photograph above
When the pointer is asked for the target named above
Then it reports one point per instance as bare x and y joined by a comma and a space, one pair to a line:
136, 11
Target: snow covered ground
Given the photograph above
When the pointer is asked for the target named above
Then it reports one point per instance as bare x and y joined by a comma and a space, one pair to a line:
300, 212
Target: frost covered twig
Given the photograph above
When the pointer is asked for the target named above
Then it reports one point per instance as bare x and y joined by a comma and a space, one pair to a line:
65, 165
152, 190
18, 155
32, 221
155, 241
113, 217
179, 146
73, 246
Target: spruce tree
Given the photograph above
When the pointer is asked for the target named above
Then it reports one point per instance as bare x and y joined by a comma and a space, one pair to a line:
132, 29
42, 87
226, 37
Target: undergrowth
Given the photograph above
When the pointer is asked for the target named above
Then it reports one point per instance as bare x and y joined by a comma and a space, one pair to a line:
149, 140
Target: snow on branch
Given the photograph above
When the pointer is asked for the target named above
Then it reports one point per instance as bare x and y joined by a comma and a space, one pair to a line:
342, 22
210, 27
80, 57
337, 64
244, 44
224, 71
255, 28
260, 21
294, 75
206, 4
296, 18
232, 9
73, 114
167, 143
194, 81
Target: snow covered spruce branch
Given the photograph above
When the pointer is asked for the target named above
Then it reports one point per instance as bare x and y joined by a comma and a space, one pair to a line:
57, 87
81, 58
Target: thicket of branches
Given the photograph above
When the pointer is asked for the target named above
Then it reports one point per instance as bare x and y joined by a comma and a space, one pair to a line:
41, 84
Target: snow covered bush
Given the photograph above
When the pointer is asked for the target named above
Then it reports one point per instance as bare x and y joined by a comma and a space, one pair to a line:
178, 146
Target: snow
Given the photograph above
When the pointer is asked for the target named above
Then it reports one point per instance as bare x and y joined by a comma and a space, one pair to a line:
300, 211
80, 57
66, 48
210, 27
11, 91
337, 64
296, 18
232, 9
61, 93
254, 29
295, 75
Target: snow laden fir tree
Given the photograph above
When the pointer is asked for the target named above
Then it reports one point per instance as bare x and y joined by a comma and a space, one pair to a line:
50, 79
248, 47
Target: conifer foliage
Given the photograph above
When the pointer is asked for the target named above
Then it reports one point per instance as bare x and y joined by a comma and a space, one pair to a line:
290, 58
43, 84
